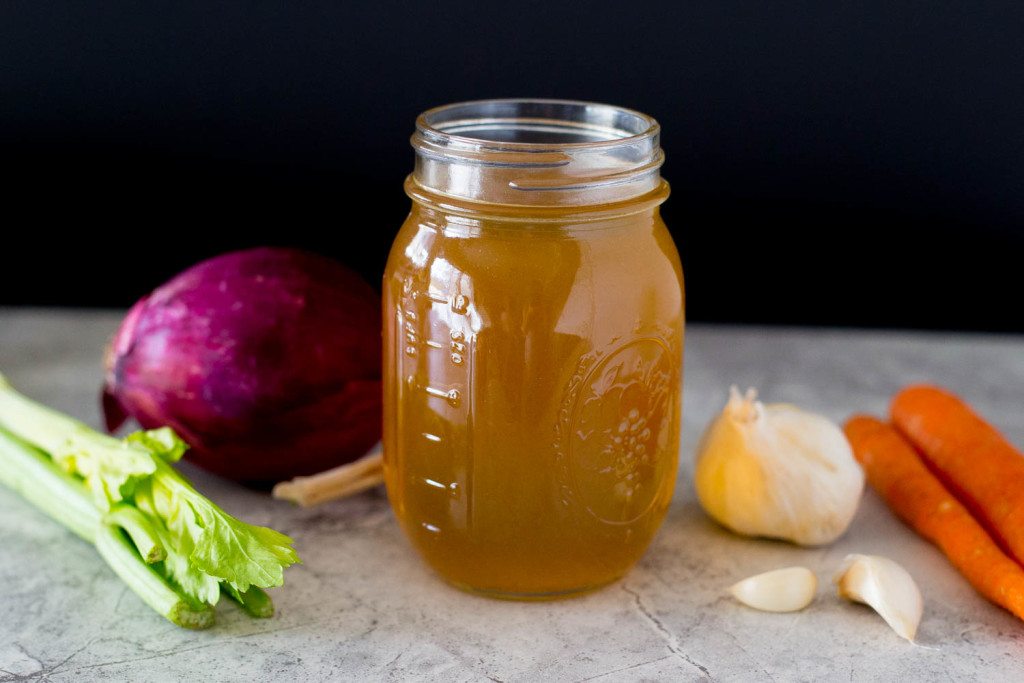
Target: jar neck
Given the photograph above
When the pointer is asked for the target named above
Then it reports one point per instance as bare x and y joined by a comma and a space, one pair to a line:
593, 215
536, 154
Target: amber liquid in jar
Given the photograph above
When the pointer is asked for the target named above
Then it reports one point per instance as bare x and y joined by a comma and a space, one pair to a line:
532, 375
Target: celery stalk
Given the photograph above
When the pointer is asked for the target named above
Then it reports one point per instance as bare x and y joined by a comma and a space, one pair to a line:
49, 430
109, 466
139, 529
255, 601
173, 546
62, 496
122, 557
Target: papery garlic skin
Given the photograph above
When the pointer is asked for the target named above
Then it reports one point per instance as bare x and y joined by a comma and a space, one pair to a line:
884, 585
777, 471
782, 590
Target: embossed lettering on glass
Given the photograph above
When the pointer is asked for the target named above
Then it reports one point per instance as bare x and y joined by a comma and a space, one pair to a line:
533, 342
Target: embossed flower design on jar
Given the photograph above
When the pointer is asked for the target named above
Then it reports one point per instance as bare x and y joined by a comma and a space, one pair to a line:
620, 430
631, 457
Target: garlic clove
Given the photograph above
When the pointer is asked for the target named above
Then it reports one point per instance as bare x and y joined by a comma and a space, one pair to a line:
886, 587
781, 590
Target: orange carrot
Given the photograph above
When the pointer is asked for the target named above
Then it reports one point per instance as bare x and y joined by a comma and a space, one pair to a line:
919, 498
977, 464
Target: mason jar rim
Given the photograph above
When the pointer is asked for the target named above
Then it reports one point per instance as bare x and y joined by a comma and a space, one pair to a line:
610, 125
537, 152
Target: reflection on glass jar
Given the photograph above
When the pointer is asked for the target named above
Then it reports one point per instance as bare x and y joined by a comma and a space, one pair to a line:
533, 343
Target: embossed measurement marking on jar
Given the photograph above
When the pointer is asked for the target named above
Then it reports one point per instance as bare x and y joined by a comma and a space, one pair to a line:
436, 298
438, 485
452, 395
455, 345
437, 341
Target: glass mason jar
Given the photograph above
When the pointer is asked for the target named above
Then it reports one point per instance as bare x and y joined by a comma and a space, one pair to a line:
533, 335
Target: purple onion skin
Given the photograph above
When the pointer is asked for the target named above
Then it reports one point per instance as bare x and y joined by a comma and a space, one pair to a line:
266, 361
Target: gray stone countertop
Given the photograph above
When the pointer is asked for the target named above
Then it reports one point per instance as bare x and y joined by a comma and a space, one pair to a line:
364, 607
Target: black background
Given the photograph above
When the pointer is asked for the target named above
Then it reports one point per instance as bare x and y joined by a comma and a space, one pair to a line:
832, 163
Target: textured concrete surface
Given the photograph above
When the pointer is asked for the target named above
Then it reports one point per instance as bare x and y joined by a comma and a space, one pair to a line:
364, 607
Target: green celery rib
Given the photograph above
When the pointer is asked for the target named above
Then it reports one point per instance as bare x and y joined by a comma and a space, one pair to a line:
122, 557
62, 496
139, 529
255, 601
63, 438
50, 430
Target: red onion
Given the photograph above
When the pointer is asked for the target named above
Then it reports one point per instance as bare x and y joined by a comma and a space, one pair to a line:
266, 361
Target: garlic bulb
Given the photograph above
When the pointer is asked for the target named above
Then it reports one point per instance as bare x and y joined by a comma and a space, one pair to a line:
777, 471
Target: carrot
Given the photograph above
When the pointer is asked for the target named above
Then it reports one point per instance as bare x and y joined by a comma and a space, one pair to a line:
919, 498
975, 461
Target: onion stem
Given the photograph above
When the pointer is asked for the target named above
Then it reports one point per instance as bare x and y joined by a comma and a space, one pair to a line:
345, 480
